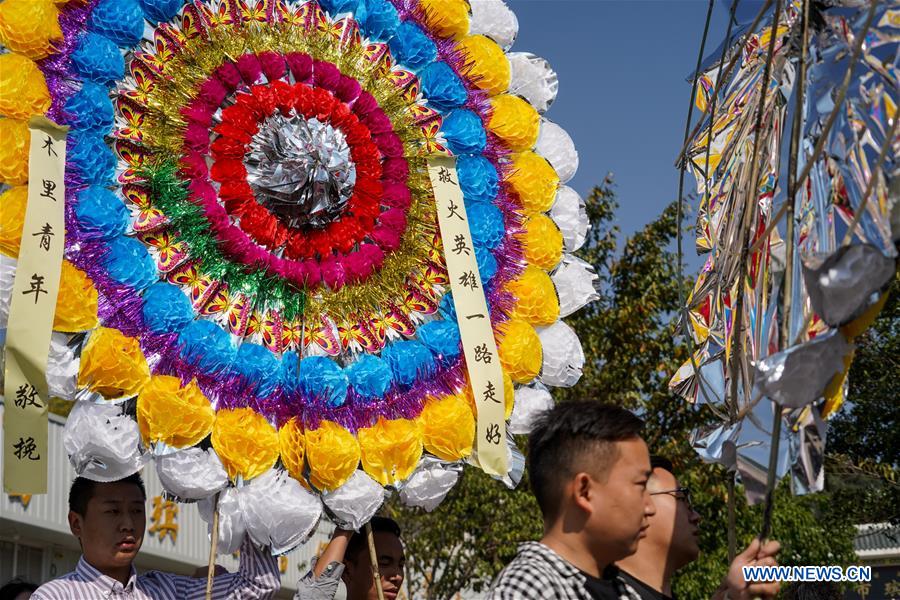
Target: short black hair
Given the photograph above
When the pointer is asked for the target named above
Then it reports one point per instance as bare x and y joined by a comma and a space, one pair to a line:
16, 586
82, 491
358, 540
661, 462
562, 434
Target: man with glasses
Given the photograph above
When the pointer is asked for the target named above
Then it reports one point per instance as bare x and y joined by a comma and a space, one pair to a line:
672, 542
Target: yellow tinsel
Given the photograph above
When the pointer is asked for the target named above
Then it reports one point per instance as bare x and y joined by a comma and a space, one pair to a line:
291, 442
514, 121
177, 416
14, 151
542, 242
245, 441
447, 18
76, 304
332, 454
112, 364
536, 299
23, 91
535, 181
29, 27
390, 450
520, 351
448, 427
485, 64
12, 219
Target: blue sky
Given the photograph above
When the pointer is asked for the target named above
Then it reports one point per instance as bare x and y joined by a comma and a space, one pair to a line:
623, 93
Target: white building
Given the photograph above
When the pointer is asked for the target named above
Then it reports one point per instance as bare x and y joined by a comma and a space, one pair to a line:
36, 544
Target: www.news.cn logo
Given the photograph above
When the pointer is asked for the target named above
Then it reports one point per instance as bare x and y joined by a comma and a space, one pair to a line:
829, 573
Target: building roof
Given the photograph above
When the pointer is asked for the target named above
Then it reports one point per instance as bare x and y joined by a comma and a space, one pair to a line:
877, 540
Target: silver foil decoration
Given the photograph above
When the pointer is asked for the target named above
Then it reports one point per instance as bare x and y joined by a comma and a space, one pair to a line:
843, 285
355, 503
798, 376
103, 444
231, 520
192, 473
530, 401
300, 169
430, 483
278, 511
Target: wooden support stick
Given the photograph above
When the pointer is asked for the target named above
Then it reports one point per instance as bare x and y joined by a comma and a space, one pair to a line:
373, 556
214, 542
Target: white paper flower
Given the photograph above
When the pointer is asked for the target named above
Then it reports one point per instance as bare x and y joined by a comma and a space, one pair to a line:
102, 443
563, 356
192, 473
354, 503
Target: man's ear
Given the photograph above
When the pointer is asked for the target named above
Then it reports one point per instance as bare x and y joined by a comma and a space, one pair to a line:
583, 491
76, 523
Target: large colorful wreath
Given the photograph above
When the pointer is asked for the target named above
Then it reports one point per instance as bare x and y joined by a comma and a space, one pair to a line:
252, 246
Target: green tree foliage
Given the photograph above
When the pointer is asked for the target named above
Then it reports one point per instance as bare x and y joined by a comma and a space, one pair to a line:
631, 342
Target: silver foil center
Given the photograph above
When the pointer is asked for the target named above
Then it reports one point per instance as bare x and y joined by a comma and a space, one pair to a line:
300, 170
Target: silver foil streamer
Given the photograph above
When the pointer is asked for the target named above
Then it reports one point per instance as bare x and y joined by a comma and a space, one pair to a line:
843, 285
300, 169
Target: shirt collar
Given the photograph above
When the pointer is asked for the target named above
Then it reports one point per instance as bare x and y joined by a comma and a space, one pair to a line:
557, 562
89, 573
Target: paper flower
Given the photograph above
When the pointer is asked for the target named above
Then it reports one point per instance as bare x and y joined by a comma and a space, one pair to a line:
23, 91
448, 427
514, 121
29, 27
113, 365
356, 502
14, 151
333, 455
245, 442
543, 242
520, 351
77, 301
174, 415
291, 445
12, 219
390, 449
537, 303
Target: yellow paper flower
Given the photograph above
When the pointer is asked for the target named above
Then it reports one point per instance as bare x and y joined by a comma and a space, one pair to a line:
542, 242
520, 351
14, 151
448, 427
29, 26
23, 91
535, 181
508, 395
834, 391
245, 441
861, 323
291, 442
333, 455
514, 121
174, 415
12, 219
536, 299
448, 18
112, 364
485, 63
76, 304
390, 450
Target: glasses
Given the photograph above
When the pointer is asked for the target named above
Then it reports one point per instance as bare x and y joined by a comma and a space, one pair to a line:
681, 493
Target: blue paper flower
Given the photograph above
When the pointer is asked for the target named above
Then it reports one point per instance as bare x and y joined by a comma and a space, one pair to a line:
447, 307
98, 59
89, 109
334, 7
290, 375
258, 366
158, 11
478, 178
487, 264
207, 345
411, 47
91, 158
122, 21
321, 377
486, 223
442, 87
370, 377
408, 361
166, 308
129, 263
377, 18
441, 337
101, 215
464, 131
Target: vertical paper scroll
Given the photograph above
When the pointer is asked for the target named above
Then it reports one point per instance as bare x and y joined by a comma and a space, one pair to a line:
31, 313
479, 346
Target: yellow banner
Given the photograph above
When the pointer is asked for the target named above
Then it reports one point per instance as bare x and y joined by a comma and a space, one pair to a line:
31, 313
479, 346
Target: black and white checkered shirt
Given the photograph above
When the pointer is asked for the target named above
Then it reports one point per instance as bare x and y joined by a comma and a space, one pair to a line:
539, 573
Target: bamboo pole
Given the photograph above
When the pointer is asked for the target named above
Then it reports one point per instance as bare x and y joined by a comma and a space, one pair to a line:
373, 556
213, 545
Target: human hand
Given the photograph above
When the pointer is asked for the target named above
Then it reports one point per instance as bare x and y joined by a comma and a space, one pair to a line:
757, 554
